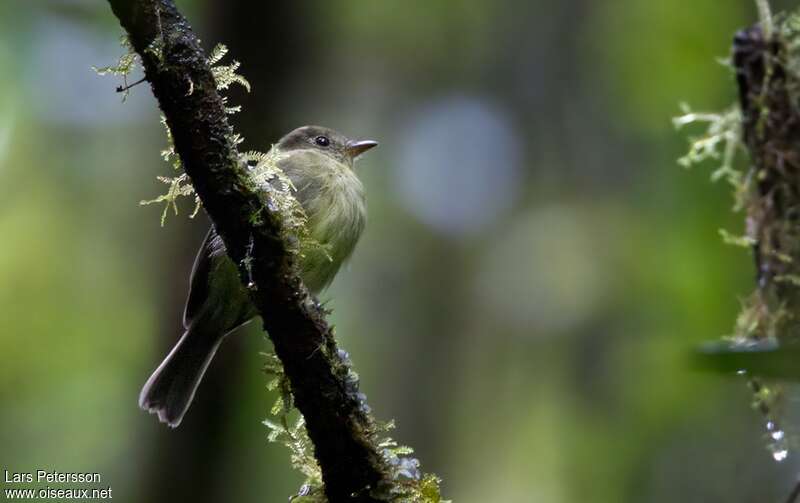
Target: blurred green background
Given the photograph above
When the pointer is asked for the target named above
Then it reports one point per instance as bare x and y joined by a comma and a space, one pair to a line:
534, 273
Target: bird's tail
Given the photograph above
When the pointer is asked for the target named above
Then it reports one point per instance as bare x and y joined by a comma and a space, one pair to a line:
170, 390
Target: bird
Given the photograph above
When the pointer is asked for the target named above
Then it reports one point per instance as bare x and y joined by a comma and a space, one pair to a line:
319, 162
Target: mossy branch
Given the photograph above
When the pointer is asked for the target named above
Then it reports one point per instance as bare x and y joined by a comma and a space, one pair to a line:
766, 124
353, 462
768, 99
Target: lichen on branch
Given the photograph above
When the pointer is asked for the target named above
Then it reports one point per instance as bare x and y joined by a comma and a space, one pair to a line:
179, 185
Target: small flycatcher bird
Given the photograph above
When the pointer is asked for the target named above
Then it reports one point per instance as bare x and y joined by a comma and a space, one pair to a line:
319, 163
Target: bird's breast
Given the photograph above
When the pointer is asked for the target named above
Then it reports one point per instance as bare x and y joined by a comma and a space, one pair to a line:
333, 199
337, 212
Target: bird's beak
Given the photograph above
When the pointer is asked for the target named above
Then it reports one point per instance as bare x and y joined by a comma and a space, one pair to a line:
356, 148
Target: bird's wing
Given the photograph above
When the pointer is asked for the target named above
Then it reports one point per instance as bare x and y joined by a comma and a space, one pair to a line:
198, 280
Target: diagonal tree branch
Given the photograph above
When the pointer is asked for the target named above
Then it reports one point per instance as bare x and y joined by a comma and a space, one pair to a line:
337, 419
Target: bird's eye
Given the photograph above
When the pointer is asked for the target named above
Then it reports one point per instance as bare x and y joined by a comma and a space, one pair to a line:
322, 141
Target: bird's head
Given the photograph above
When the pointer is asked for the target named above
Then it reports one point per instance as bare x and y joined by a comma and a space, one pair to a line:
326, 141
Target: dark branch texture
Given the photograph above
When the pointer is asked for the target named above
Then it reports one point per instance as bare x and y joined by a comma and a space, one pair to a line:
337, 419
771, 132
768, 98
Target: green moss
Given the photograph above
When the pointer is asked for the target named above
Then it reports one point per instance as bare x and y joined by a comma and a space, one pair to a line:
179, 185
125, 65
225, 75
404, 480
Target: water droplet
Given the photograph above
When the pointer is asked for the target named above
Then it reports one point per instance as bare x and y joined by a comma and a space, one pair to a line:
778, 443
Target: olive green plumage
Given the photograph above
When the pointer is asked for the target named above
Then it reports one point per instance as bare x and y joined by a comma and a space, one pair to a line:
319, 164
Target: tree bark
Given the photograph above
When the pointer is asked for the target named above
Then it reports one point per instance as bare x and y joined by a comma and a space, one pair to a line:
771, 132
337, 419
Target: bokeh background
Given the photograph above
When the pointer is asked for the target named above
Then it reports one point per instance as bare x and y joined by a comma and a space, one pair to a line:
535, 271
